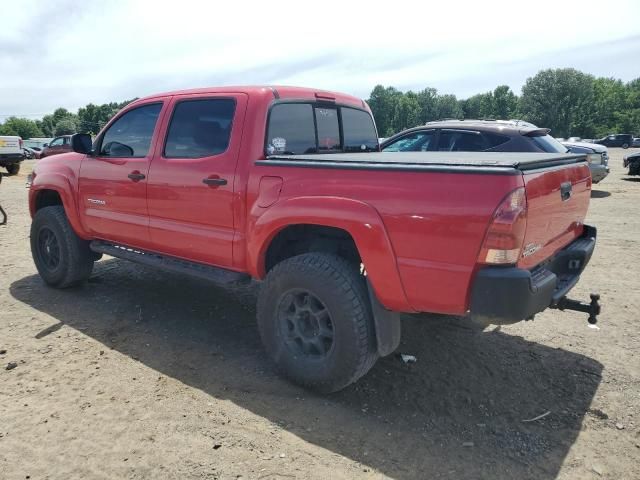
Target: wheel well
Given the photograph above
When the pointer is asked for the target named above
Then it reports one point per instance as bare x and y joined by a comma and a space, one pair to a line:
298, 239
47, 198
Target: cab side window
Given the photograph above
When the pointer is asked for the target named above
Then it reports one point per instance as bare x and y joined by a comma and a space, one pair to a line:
130, 135
200, 128
56, 142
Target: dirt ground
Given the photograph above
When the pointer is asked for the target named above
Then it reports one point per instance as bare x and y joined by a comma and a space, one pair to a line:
144, 374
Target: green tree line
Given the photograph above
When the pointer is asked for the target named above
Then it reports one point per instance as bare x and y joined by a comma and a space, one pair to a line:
88, 119
569, 102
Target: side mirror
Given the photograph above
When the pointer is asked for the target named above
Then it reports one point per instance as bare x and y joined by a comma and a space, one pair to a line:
81, 143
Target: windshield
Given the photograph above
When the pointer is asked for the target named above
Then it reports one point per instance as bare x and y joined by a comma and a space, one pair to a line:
548, 144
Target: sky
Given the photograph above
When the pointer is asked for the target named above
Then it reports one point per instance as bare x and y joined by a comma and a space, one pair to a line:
67, 53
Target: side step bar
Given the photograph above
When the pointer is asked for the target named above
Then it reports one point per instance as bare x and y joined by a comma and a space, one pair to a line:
217, 275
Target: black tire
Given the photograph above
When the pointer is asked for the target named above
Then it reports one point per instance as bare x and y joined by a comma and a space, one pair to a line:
335, 291
634, 168
13, 169
62, 258
625, 145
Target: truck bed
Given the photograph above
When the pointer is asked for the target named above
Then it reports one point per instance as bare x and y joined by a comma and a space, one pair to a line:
506, 163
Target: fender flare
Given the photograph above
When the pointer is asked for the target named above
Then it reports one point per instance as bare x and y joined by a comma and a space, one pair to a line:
62, 185
359, 219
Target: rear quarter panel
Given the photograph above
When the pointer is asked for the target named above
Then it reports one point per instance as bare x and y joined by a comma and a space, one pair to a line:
435, 224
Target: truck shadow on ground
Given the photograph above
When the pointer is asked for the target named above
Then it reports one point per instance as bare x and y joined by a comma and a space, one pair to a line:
600, 194
456, 413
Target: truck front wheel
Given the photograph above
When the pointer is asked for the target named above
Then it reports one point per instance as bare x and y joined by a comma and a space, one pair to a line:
13, 169
315, 321
62, 258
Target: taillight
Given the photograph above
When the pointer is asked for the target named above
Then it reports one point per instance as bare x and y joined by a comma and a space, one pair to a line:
20, 142
505, 235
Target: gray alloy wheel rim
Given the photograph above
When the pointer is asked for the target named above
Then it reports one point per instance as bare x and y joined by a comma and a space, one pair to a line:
306, 325
49, 248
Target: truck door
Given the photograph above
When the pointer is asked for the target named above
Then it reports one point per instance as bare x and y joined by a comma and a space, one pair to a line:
190, 191
113, 182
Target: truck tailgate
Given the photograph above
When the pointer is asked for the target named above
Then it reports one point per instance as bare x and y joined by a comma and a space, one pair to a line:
10, 145
557, 202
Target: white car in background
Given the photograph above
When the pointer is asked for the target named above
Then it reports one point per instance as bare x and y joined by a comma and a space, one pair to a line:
11, 153
597, 156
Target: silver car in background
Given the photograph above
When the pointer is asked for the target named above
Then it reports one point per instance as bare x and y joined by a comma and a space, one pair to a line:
597, 156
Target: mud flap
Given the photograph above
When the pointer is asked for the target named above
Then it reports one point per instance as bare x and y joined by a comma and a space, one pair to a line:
387, 325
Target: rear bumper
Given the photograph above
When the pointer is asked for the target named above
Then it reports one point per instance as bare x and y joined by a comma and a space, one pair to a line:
502, 295
10, 158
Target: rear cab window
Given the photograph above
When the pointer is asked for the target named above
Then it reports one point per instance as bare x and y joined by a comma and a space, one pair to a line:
303, 128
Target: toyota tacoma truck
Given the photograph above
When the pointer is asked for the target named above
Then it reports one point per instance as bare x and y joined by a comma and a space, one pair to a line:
287, 186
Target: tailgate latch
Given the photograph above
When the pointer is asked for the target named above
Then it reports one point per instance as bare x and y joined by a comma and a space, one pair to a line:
593, 308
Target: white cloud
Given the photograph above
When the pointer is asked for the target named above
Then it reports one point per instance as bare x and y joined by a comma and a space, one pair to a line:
69, 53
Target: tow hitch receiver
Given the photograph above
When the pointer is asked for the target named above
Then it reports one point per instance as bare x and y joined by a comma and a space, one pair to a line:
593, 308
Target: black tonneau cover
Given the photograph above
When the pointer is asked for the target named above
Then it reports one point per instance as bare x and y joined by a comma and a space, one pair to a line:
505, 163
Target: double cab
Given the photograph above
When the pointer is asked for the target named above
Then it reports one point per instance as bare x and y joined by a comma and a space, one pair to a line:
287, 186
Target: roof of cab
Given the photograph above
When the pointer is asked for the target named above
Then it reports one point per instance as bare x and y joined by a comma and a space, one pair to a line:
272, 91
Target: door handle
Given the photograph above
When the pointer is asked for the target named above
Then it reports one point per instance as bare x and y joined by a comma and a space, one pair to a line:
214, 182
136, 176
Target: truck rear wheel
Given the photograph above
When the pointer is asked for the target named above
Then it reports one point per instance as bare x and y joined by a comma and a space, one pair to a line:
13, 169
315, 321
62, 258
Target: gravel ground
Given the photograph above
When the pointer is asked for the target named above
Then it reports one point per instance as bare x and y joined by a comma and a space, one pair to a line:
144, 374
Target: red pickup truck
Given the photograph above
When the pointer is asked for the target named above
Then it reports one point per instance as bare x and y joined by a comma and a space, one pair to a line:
287, 186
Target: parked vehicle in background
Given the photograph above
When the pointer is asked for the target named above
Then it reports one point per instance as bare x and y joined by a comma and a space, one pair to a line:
11, 153
597, 156
37, 143
287, 185
623, 140
490, 136
3, 214
58, 145
635, 142
573, 139
29, 153
474, 136
633, 162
